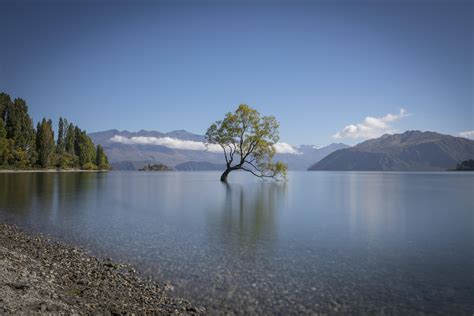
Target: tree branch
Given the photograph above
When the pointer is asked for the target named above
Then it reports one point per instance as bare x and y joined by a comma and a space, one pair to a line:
251, 148
261, 175
232, 152
225, 154
255, 167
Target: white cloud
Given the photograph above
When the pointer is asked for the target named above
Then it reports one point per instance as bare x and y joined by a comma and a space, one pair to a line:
468, 134
188, 144
167, 142
284, 148
371, 127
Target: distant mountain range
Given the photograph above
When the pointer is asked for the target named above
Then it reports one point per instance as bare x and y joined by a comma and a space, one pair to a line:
183, 150
410, 151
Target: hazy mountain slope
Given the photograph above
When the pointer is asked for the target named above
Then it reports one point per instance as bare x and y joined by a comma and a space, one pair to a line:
410, 151
309, 154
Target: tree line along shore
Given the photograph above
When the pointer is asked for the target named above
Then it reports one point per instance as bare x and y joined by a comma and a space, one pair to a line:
24, 147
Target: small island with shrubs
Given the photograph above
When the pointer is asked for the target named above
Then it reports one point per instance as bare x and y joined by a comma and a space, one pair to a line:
467, 165
155, 167
22, 147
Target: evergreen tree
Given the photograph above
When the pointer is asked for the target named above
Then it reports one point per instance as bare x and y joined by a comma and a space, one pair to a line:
3, 144
19, 127
5, 102
101, 159
77, 140
61, 136
19, 124
70, 139
45, 142
87, 153
65, 126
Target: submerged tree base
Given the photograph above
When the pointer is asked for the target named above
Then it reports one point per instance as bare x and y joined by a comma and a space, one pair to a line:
225, 174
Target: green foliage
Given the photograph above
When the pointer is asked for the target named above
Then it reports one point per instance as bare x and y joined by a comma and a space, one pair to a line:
77, 140
247, 140
20, 159
467, 165
22, 147
5, 102
8, 154
45, 143
19, 125
70, 139
4, 145
155, 167
19, 128
89, 166
3, 131
68, 161
60, 145
86, 148
101, 159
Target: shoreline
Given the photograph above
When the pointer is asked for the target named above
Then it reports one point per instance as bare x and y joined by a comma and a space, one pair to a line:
39, 275
47, 170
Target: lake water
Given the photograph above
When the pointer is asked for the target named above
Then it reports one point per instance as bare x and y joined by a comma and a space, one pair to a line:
357, 242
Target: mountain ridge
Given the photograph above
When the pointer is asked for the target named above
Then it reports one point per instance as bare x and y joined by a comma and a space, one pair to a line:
409, 151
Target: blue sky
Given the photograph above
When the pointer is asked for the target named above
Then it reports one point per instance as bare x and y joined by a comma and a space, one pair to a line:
320, 67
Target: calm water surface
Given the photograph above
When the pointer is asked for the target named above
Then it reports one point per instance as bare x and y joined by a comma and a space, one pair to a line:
324, 241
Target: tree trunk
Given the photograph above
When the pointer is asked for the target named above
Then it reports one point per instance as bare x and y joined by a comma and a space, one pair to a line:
225, 174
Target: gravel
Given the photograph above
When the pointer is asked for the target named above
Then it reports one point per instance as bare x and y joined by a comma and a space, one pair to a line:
39, 275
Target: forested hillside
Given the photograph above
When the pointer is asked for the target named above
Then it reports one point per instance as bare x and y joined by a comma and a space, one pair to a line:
24, 147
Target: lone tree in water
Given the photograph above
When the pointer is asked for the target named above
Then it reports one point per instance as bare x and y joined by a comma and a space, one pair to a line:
247, 140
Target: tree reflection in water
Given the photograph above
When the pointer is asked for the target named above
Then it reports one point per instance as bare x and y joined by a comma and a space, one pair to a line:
249, 213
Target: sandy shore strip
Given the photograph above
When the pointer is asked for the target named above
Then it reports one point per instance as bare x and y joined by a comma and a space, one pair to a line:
38, 275
47, 170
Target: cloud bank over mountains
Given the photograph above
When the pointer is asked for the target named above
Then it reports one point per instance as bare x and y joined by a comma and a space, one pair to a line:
281, 148
165, 141
285, 148
371, 127
468, 134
